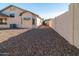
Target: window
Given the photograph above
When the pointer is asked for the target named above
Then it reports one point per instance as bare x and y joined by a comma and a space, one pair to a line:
12, 15
27, 18
33, 21
3, 21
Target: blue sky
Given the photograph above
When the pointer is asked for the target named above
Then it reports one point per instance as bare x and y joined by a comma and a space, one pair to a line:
45, 10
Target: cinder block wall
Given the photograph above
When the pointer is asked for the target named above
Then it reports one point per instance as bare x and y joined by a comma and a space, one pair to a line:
76, 24
51, 23
67, 24
64, 26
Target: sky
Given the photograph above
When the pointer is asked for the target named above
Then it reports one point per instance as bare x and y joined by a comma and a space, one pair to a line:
45, 10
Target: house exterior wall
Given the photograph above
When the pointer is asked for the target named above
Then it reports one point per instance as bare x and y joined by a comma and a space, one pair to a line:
39, 21
28, 23
4, 25
18, 20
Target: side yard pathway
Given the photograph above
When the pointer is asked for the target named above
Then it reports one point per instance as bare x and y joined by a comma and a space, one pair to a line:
42, 41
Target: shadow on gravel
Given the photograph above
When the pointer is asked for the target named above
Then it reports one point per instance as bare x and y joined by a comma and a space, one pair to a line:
38, 42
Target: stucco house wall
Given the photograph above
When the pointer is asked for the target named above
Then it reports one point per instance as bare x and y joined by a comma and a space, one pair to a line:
27, 23
19, 19
5, 25
39, 21
16, 19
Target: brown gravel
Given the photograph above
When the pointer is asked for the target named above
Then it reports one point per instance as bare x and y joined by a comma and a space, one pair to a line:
43, 41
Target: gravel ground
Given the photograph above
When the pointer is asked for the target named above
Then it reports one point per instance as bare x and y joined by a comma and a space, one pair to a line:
5, 34
42, 41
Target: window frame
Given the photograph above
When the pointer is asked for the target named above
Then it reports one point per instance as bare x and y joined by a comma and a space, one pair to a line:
26, 18
1, 21
33, 21
12, 15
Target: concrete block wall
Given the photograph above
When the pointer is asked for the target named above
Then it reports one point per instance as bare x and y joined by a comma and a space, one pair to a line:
67, 24
76, 24
64, 26
51, 23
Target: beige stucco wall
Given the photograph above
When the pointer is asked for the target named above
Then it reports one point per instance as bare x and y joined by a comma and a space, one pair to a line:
39, 21
64, 26
4, 25
51, 23
28, 23
76, 24
67, 24
19, 19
